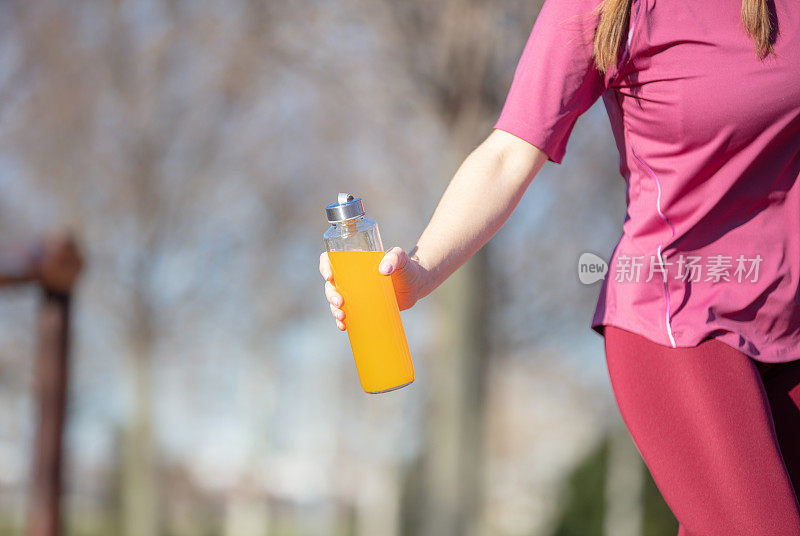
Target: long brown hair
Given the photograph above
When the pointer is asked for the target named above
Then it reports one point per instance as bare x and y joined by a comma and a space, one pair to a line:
612, 29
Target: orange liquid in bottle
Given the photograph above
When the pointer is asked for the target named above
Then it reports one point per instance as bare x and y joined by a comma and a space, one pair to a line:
372, 317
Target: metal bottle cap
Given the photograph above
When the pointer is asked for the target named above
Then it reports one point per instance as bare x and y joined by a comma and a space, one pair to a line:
345, 208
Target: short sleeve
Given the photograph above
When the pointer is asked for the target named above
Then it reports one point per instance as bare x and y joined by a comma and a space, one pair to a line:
556, 79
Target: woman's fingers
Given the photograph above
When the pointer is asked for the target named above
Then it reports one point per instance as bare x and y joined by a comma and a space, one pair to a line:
394, 259
337, 313
333, 297
325, 266
335, 301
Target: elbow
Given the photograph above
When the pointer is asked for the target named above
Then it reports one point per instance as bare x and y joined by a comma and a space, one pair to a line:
518, 160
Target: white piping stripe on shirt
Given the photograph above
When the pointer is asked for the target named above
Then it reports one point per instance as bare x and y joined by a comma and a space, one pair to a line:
632, 26
660, 245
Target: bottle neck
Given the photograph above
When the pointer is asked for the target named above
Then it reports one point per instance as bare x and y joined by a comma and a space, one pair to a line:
349, 227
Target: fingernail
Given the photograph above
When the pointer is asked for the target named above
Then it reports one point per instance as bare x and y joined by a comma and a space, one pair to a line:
386, 268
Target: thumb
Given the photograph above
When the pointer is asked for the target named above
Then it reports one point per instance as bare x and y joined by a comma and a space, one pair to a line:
394, 261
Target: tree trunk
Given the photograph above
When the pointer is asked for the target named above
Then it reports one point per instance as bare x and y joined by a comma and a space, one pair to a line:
624, 486
453, 475
139, 490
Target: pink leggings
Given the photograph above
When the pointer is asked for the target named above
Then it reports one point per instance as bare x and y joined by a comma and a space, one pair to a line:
719, 432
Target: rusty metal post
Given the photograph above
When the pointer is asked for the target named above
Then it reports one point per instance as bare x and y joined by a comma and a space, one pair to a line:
56, 264
51, 370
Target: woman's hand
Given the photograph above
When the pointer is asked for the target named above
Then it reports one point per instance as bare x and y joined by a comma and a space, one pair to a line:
407, 278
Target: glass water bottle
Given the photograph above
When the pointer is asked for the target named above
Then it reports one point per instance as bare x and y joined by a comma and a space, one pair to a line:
372, 317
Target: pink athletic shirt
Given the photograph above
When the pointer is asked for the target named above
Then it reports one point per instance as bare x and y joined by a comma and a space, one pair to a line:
709, 144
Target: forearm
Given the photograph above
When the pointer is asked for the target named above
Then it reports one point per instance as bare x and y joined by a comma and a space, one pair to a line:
479, 199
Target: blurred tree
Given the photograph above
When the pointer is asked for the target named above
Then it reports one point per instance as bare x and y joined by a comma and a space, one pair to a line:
583, 511
586, 493
100, 121
623, 484
658, 519
447, 49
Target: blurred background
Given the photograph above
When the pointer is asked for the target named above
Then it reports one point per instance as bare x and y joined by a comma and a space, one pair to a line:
190, 147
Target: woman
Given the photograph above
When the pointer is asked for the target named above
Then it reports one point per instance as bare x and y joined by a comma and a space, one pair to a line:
700, 309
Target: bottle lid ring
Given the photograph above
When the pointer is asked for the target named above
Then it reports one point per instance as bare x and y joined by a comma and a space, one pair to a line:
346, 207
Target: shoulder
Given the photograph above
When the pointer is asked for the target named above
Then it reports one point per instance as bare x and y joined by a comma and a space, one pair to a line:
570, 22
